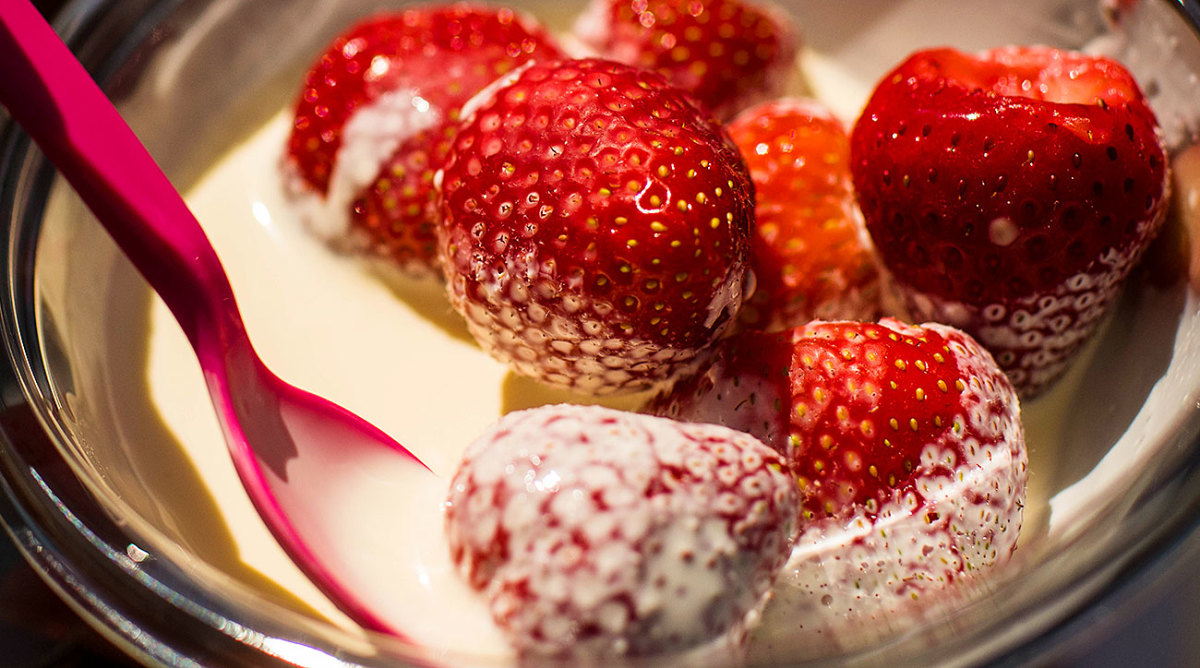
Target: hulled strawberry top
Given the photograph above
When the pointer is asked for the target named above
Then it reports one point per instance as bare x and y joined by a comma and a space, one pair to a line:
1010, 193
596, 225
992, 177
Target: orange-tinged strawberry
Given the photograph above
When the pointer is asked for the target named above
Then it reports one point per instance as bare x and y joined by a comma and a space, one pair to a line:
811, 255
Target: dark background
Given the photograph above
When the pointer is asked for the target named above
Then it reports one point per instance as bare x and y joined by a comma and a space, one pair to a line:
37, 630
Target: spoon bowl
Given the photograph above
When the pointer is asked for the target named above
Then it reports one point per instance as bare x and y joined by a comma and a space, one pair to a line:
292, 449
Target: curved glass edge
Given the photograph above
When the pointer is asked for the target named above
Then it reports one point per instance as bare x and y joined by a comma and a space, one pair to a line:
87, 558
79, 552
45, 539
1167, 535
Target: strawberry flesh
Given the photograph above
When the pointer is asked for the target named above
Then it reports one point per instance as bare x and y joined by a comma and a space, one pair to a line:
596, 226
600, 533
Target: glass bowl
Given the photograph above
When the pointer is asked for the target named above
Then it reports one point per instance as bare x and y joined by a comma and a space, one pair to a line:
142, 531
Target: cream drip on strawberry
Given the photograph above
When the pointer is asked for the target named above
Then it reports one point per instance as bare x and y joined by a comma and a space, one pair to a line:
910, 453
1039, 334
924, 548
371, 135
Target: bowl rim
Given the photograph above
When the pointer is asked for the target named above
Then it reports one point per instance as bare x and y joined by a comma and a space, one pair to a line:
85, 555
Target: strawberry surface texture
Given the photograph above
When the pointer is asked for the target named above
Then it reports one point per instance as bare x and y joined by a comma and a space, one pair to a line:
376, 115
1010, 193
728, 53
811, 255
598, 533
596, 226
907, 445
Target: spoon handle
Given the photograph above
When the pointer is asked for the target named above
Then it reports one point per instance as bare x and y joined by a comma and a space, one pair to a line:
58, 104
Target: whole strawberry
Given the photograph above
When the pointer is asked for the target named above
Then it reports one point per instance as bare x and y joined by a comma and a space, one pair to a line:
728, 53
598, 533
596, 226
811, 255
1010, 193
907, 445
376, 116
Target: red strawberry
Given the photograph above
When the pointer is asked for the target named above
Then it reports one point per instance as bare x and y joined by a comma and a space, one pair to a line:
600, 533
1010, 193
376, 116
596, 226
907, 444
811, 255
727, 53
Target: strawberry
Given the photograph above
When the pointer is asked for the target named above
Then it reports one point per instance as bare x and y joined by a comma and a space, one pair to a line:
907, 445
600, 533
811, 255
595, 226
1010, 193
376, 115
727, 53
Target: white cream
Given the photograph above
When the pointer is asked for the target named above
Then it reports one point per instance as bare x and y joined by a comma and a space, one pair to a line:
372, 134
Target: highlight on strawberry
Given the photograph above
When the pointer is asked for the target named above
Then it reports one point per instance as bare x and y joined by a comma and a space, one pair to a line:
376, 115
729, 54
1010, 193
596, 226
907, 445
598, 534
811, 255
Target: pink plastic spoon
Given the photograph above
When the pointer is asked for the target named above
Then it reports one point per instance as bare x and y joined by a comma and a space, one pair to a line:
297, 454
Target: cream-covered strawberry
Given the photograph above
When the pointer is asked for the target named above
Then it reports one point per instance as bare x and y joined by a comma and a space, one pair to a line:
596, 533
595, 226
376, 115
728, 53
907, 445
